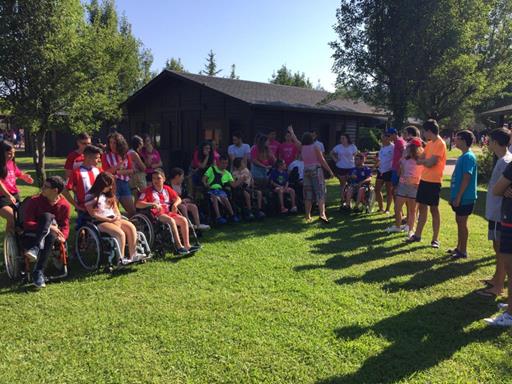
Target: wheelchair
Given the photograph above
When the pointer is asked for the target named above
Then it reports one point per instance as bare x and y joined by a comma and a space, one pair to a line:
369, 198
94, 248
159, 235
18, 268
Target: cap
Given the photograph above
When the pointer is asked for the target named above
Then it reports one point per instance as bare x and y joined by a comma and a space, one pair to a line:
391, 131
416, 142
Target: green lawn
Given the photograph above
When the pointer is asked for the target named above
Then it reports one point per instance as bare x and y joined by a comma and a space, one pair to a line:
455, 153
277, 301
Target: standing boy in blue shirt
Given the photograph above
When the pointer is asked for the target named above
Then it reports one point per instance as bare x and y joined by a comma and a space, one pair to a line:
463, 191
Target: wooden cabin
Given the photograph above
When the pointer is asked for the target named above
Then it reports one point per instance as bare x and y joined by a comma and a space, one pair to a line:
179, 110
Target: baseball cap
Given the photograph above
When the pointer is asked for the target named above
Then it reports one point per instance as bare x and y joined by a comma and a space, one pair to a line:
415, 141
391, 131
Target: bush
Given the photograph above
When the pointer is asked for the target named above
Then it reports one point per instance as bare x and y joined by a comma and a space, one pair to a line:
486, 163
369, 139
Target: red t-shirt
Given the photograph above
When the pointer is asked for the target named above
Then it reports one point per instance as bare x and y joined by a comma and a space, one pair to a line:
81, 181
74, 160
288, 152
37, 205
166, 197
398, 151
255, 155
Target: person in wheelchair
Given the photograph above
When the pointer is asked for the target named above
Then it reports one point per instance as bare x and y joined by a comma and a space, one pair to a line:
245, 187
279, 184
187, 206
102, 207
358, 182
46, 221
163, 202
216, 179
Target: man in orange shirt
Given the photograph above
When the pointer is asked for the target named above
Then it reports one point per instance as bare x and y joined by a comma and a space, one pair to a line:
429, 189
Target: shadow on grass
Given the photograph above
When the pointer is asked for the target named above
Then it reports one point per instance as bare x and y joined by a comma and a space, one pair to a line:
420, 338
479, 205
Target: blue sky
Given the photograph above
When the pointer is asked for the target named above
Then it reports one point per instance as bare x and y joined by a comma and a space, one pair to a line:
257, 36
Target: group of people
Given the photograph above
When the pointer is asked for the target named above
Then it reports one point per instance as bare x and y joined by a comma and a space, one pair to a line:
409, 169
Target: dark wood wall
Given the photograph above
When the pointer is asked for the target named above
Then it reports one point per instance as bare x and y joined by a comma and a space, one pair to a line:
179, 115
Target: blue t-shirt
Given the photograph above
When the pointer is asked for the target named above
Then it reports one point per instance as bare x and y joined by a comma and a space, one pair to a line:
277, 177
359, 174
466, 163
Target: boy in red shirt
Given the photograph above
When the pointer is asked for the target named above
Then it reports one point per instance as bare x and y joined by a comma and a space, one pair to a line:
47, 216
163, 202
76, 158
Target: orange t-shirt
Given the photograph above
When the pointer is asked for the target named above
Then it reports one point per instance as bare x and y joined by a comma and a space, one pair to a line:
435, 148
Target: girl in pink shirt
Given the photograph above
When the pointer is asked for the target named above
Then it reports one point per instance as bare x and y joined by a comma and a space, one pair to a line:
409, 174
9, 193
151, 157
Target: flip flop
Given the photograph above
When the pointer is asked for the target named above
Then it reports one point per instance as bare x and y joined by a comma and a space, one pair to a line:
487, 283
485, 293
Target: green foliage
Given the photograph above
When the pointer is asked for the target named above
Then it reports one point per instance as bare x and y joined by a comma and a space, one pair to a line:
175, 65
233, 74
437, 57
63, 68
210, 68
486, 161
284, 76
368, 139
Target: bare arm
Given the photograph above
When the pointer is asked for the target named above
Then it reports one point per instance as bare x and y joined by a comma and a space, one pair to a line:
69, 198
466, 178
321, 158
429, 163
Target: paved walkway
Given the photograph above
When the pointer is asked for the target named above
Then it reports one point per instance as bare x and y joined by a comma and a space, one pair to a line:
450, 166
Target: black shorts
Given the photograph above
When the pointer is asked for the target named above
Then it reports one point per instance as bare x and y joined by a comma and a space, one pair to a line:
5, 202
428, 193
463, 210
386, 176
506, 238
341, 172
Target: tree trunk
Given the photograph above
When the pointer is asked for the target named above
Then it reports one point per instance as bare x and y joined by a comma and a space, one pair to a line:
38, 154
399, 116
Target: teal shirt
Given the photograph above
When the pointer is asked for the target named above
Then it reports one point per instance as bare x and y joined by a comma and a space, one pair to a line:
466, 163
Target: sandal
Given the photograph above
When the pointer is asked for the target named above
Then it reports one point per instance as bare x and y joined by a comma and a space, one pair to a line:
484, 292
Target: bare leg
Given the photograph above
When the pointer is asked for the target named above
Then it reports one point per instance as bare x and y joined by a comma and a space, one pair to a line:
307, 207
182, 224
422, 219
389, 195
227, 204
8, 214
279, 192
131, 236
462, 233
378, 193
343, 181
116, 232
411, 214
169, 220
321, 209
399, 203
215, 203
259, 199
436, 222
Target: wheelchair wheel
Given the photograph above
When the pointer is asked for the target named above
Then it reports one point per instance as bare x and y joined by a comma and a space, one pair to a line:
143, 224
88, 248
12, 257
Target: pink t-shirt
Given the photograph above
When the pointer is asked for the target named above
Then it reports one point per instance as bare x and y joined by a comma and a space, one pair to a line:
196, 163
309, 156
255, 155
288, 152
398, 152
13, 173
411, 172
151, 158
274, 147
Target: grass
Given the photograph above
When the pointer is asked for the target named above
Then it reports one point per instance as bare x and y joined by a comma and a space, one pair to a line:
454, 153
277, 301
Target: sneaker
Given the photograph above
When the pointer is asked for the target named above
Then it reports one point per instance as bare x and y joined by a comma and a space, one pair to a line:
502, 306
260, 215
452, 251
284, 210
404, 228
235, 219
38, 279
126, 261
293, 210
435, 244
31, 254
182, 251
393, 229
221, 220
413, 239
203, 227
503, 320
457, 255
250, 216
194, 248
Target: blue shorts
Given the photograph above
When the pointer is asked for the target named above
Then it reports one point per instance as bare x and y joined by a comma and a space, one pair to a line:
122, 189
394, 178
217, 192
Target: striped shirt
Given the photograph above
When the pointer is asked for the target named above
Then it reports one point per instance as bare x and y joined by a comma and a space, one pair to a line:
81, 181
111, 160
166, 197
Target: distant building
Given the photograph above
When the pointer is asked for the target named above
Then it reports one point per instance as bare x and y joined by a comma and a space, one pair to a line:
179, 110
499, 114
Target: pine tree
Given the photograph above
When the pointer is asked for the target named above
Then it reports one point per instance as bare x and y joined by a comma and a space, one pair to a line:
233, 74
174, 65
210, 68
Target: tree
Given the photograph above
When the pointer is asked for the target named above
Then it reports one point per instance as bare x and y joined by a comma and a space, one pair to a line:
423, 56
284, 76
233, 74
175, 65
210, 68
60, 68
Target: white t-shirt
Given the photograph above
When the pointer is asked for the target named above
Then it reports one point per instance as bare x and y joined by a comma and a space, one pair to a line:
386, 158
345, 156
299, 164
493, 202
242, 151
102, 208
320, 145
